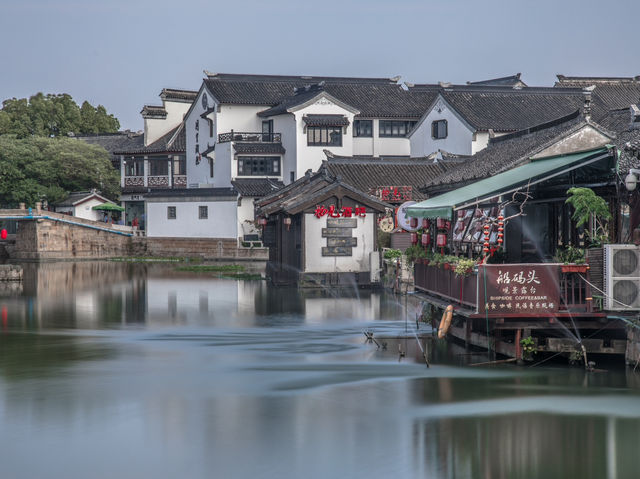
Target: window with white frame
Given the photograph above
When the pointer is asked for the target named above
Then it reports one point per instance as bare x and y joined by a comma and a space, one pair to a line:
258, 166
324, 136
395, 128
363, 128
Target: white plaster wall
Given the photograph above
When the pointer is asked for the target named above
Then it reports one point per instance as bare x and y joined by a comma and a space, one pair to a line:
84, 210
314, 262
458, 140
240, 118
199, 174
387, 146
363, 146
223, 166
286, 125
246, 217
154, 128
221, 223
311, 157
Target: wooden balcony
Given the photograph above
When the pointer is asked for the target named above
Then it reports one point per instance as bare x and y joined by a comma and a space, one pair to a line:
251, 137
499, 291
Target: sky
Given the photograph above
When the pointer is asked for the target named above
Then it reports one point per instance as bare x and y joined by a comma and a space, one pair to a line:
121, 53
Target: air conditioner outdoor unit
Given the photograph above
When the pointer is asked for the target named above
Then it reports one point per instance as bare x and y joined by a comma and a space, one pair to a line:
622, 277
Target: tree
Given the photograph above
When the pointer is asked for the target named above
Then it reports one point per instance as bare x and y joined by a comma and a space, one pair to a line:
53, 115
39, 168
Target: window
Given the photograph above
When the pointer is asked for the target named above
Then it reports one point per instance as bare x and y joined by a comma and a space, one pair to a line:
203, 212
180, 166
395, 128
159, 167
211, 167
363, 128
134, 167
171, 212
258, 166
324, 136
292, 176
210, 127
267, 130
439, 129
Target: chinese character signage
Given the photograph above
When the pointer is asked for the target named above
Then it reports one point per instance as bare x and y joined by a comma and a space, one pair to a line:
522, 289
392, 194
346, 212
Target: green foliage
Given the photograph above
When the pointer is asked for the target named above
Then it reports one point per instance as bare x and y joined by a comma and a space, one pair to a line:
464, 266
392, 253
415, 252
528, 347
570, 255
587, 205
38, 168
53, 115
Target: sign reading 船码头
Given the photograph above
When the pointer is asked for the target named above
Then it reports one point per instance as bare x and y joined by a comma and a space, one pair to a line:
522, 289
346, 212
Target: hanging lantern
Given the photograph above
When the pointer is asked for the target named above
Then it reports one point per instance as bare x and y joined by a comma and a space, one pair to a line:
441, 240
441, 223
3, 234
460, 213
447, 225
287, 222
426, 239
414, 223
414, 238
500, 230
262, 221
425, 223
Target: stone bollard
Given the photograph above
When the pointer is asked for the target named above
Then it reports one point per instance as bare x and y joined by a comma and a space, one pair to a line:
38, 207
22, 206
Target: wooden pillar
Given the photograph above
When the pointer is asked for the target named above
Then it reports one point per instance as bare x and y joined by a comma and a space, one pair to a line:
467, 332
518, 345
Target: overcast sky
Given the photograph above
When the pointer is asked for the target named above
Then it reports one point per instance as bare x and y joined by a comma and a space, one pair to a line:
121, 53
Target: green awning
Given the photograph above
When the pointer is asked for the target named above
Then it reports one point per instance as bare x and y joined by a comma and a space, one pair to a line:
442, 206
108, 207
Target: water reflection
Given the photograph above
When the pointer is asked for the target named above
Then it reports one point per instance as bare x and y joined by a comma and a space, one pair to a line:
134, 370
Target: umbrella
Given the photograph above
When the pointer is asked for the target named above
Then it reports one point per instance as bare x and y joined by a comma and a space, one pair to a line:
108, 207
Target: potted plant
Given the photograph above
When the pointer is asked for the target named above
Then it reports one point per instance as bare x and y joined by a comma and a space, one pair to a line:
590, 210
572, 259
528, 348
464, 267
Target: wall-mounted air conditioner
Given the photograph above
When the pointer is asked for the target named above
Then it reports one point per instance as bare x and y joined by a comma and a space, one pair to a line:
622, 277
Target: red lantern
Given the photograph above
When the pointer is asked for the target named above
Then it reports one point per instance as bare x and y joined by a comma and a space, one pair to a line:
414, 238
441, 223
287, 222
425, 223
414, 222
426, 239
441, 240
262, 221
3, 234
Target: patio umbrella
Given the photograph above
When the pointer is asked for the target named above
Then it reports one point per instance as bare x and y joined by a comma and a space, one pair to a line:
108, 207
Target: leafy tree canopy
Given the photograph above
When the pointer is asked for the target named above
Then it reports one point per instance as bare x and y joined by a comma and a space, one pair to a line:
53, 115
39, 168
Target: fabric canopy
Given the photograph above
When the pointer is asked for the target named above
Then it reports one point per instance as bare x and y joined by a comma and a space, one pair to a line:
108, 207
442, 206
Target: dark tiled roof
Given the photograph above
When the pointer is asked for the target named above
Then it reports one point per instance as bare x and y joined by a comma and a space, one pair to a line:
373, 97
191, 192
259, 148
312, 189
152, 111
511, 80
627, 138
78, 196
509, 151
366, 174
257, 187
180, 95
173, 141
509, 109
326, 120
613, 92
113, 142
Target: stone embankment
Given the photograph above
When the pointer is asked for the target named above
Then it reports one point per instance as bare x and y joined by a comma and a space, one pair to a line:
10, 272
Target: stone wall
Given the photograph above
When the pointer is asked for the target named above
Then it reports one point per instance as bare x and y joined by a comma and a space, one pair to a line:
10, 272
44, 239
205, 248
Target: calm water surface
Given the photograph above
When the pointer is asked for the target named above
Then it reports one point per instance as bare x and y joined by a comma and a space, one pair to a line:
111, 370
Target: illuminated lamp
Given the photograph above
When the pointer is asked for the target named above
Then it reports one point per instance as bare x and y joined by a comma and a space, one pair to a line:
425, 223
3, 234
426, 239
441, 223
414, 238
441, 240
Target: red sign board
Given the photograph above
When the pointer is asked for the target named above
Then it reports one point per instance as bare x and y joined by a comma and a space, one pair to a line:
345, 212
392, 194
518, 289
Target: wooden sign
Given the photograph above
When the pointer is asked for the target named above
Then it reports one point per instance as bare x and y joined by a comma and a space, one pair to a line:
336, 251
342, 241
336, 232
518, 289
342, 223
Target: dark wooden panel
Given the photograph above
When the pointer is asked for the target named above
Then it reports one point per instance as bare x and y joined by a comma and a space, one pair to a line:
336, 251
342, 222
336, 232
342, 241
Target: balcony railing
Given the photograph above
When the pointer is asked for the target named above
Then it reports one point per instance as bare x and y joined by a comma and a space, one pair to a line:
253, 137
573, 292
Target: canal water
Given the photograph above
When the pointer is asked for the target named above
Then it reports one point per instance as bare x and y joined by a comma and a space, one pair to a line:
112, 370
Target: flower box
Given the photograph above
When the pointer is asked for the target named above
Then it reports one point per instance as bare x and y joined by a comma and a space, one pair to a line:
574, 268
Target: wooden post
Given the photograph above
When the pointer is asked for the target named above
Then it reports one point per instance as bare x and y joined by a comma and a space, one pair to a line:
518, 345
